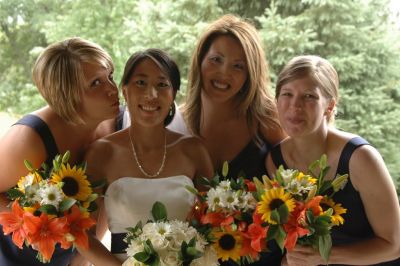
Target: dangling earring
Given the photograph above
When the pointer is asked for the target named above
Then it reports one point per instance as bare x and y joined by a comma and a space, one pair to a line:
170, 115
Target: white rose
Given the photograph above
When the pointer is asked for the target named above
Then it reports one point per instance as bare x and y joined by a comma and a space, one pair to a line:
170, 259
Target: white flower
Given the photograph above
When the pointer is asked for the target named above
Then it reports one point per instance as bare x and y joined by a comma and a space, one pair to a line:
224, 185
287, 175
132, 262
247, 202
28, 180
51, 194
170, 259
214, 199
167, 239
229, 200
32, 194
135, 246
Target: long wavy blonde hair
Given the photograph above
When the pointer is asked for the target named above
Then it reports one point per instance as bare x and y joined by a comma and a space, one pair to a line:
255, 99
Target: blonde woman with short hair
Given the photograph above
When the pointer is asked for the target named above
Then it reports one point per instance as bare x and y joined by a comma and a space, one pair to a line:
75, 77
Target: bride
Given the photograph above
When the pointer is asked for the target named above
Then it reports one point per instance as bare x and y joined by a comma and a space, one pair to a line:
145, 162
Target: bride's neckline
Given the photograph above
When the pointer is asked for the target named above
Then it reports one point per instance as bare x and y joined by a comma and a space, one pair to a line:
148, 179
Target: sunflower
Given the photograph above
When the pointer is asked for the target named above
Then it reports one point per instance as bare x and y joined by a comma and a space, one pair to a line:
228, 244
271, 200
74, 180
336, 218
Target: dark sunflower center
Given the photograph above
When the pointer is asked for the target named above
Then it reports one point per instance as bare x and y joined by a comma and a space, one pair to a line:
227, 242
275, 204
324, 206
71, 187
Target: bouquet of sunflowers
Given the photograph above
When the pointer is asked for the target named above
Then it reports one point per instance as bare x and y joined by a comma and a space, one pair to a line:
298, 208
50, 206
239, 216
167, 243
227, 215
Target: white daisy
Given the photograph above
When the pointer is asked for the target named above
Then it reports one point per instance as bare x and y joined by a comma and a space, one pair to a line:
214, 199
51, 194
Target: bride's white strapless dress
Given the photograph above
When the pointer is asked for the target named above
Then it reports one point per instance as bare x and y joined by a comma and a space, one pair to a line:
129, 200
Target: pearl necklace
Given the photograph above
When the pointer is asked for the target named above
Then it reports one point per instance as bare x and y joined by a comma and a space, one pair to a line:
137, 160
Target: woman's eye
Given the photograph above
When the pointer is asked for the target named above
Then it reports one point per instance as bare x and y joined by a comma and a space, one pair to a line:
140, 83
310, 96
239, 66
95, 83
215, 59
163, 85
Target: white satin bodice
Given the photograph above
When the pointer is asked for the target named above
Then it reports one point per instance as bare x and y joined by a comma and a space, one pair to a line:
129, 200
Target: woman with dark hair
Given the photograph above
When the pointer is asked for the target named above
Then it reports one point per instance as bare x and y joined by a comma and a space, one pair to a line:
145, 162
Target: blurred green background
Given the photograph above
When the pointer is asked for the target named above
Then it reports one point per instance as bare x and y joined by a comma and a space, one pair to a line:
360, 38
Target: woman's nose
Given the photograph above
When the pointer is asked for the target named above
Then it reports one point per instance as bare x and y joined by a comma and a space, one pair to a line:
151, 92
112, 88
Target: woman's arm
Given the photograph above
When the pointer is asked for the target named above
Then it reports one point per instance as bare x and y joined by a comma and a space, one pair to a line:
97, 158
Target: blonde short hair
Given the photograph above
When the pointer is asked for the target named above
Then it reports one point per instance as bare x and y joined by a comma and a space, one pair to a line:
58, 74
318, 69
255, 99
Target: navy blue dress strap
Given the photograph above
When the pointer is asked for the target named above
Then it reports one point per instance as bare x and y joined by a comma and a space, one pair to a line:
44, 132
277, 157
349, 148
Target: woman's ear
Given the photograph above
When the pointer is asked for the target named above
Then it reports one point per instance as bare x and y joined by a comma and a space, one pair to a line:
331, 108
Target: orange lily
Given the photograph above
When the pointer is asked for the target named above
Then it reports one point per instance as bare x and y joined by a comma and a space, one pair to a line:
217, 219
79, 223
256, 234
12, 222
45, 233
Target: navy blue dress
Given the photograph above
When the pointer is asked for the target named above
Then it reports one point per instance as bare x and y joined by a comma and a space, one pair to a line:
10, 254
356, 226
251, 163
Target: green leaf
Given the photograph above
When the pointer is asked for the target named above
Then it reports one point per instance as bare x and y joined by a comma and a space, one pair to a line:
148, 247
66, 204
325, 246
275, 216
65, 157
193, 252
323, 161
192, 189
29, 166
48, 209
159, 211
283, 213
225, 169
141, 256
14, 193
280, 237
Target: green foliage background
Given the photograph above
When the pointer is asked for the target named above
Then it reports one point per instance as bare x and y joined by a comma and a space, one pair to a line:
358, 37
